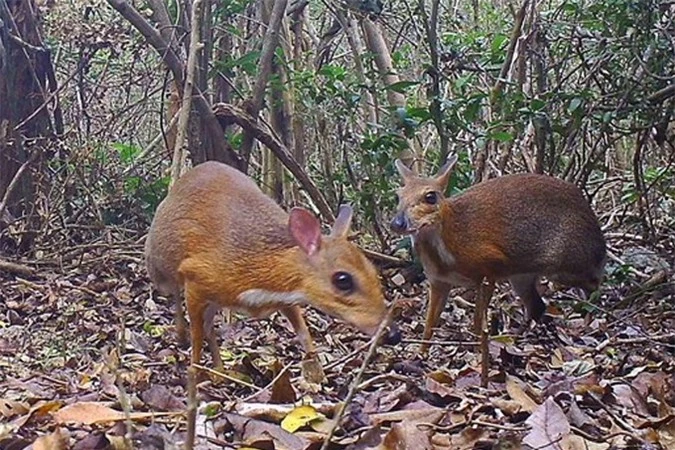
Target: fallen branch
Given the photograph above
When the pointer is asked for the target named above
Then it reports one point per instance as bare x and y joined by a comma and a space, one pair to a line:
227, 113
636, 340
14, 268
441, 343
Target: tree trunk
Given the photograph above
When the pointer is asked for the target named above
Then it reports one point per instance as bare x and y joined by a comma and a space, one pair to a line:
26, 76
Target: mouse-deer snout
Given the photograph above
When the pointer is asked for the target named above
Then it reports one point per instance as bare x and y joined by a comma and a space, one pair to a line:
399, 224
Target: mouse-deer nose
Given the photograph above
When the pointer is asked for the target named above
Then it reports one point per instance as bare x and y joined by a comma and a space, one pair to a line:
399, 223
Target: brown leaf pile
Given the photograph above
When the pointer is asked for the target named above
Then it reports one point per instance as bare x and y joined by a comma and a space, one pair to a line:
88, 360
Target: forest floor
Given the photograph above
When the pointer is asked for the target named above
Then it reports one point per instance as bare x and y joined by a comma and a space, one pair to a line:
88, 360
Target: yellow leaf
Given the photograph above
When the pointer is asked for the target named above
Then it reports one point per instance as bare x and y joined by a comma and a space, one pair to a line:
299, 417
503, 339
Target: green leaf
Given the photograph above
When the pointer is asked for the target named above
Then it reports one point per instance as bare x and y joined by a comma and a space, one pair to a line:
333, 71
422, 114
574, 104
132, 184
472, 109
401, 86
537, 104
501, 136
127, 152
497, 44
248, 62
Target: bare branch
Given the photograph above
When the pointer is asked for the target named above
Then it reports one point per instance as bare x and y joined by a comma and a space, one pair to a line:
229, 113
180, 149
264, 70
15, 181
175, 65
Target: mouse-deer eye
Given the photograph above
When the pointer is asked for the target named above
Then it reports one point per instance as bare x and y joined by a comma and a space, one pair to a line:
344, 282
431, 198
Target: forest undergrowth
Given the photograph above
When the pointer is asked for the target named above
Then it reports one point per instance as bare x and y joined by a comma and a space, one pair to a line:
89, 355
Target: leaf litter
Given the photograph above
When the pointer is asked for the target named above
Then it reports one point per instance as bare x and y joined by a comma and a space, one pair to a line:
89, 359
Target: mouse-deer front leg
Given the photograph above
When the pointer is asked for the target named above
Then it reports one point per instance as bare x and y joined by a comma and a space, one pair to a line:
437, 297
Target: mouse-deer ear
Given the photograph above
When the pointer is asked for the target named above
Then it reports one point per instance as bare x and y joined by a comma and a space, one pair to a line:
343, 221
405, 172
305, 229
443, 175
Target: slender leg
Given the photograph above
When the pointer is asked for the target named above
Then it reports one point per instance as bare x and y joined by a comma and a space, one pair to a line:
525, 285
179, 319
437, 297
483, 296
311, 366
211, 338
294, 316
196, 307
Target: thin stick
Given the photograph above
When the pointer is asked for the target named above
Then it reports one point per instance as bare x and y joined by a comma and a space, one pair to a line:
215, 373
346, 358
15, 181
191, 408
180, 150
441, 343
270, 384
357, 379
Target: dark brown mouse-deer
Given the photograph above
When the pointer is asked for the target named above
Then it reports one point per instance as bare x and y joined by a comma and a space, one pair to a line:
224, 244
515, 227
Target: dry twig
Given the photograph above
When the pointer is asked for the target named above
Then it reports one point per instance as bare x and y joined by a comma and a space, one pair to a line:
357, 379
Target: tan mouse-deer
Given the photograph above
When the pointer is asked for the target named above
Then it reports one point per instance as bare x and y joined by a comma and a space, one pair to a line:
515, 227
224, 244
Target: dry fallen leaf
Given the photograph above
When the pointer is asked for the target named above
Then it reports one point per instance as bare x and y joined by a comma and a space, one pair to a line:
54, 441
517, 393
160, 398
549, 426
574, 442
92, 412
405, 436
508, 407
11, 408
438, 383
312, 371
427, 415
251, 431
39, 409
467, 439
667, 434
282, 389
626, 395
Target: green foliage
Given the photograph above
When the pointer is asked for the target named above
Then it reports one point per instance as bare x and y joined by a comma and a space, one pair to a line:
153, 329
126, 152
230, 8
248, 63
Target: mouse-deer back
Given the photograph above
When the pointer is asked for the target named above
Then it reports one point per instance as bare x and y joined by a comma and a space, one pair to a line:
220, 240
